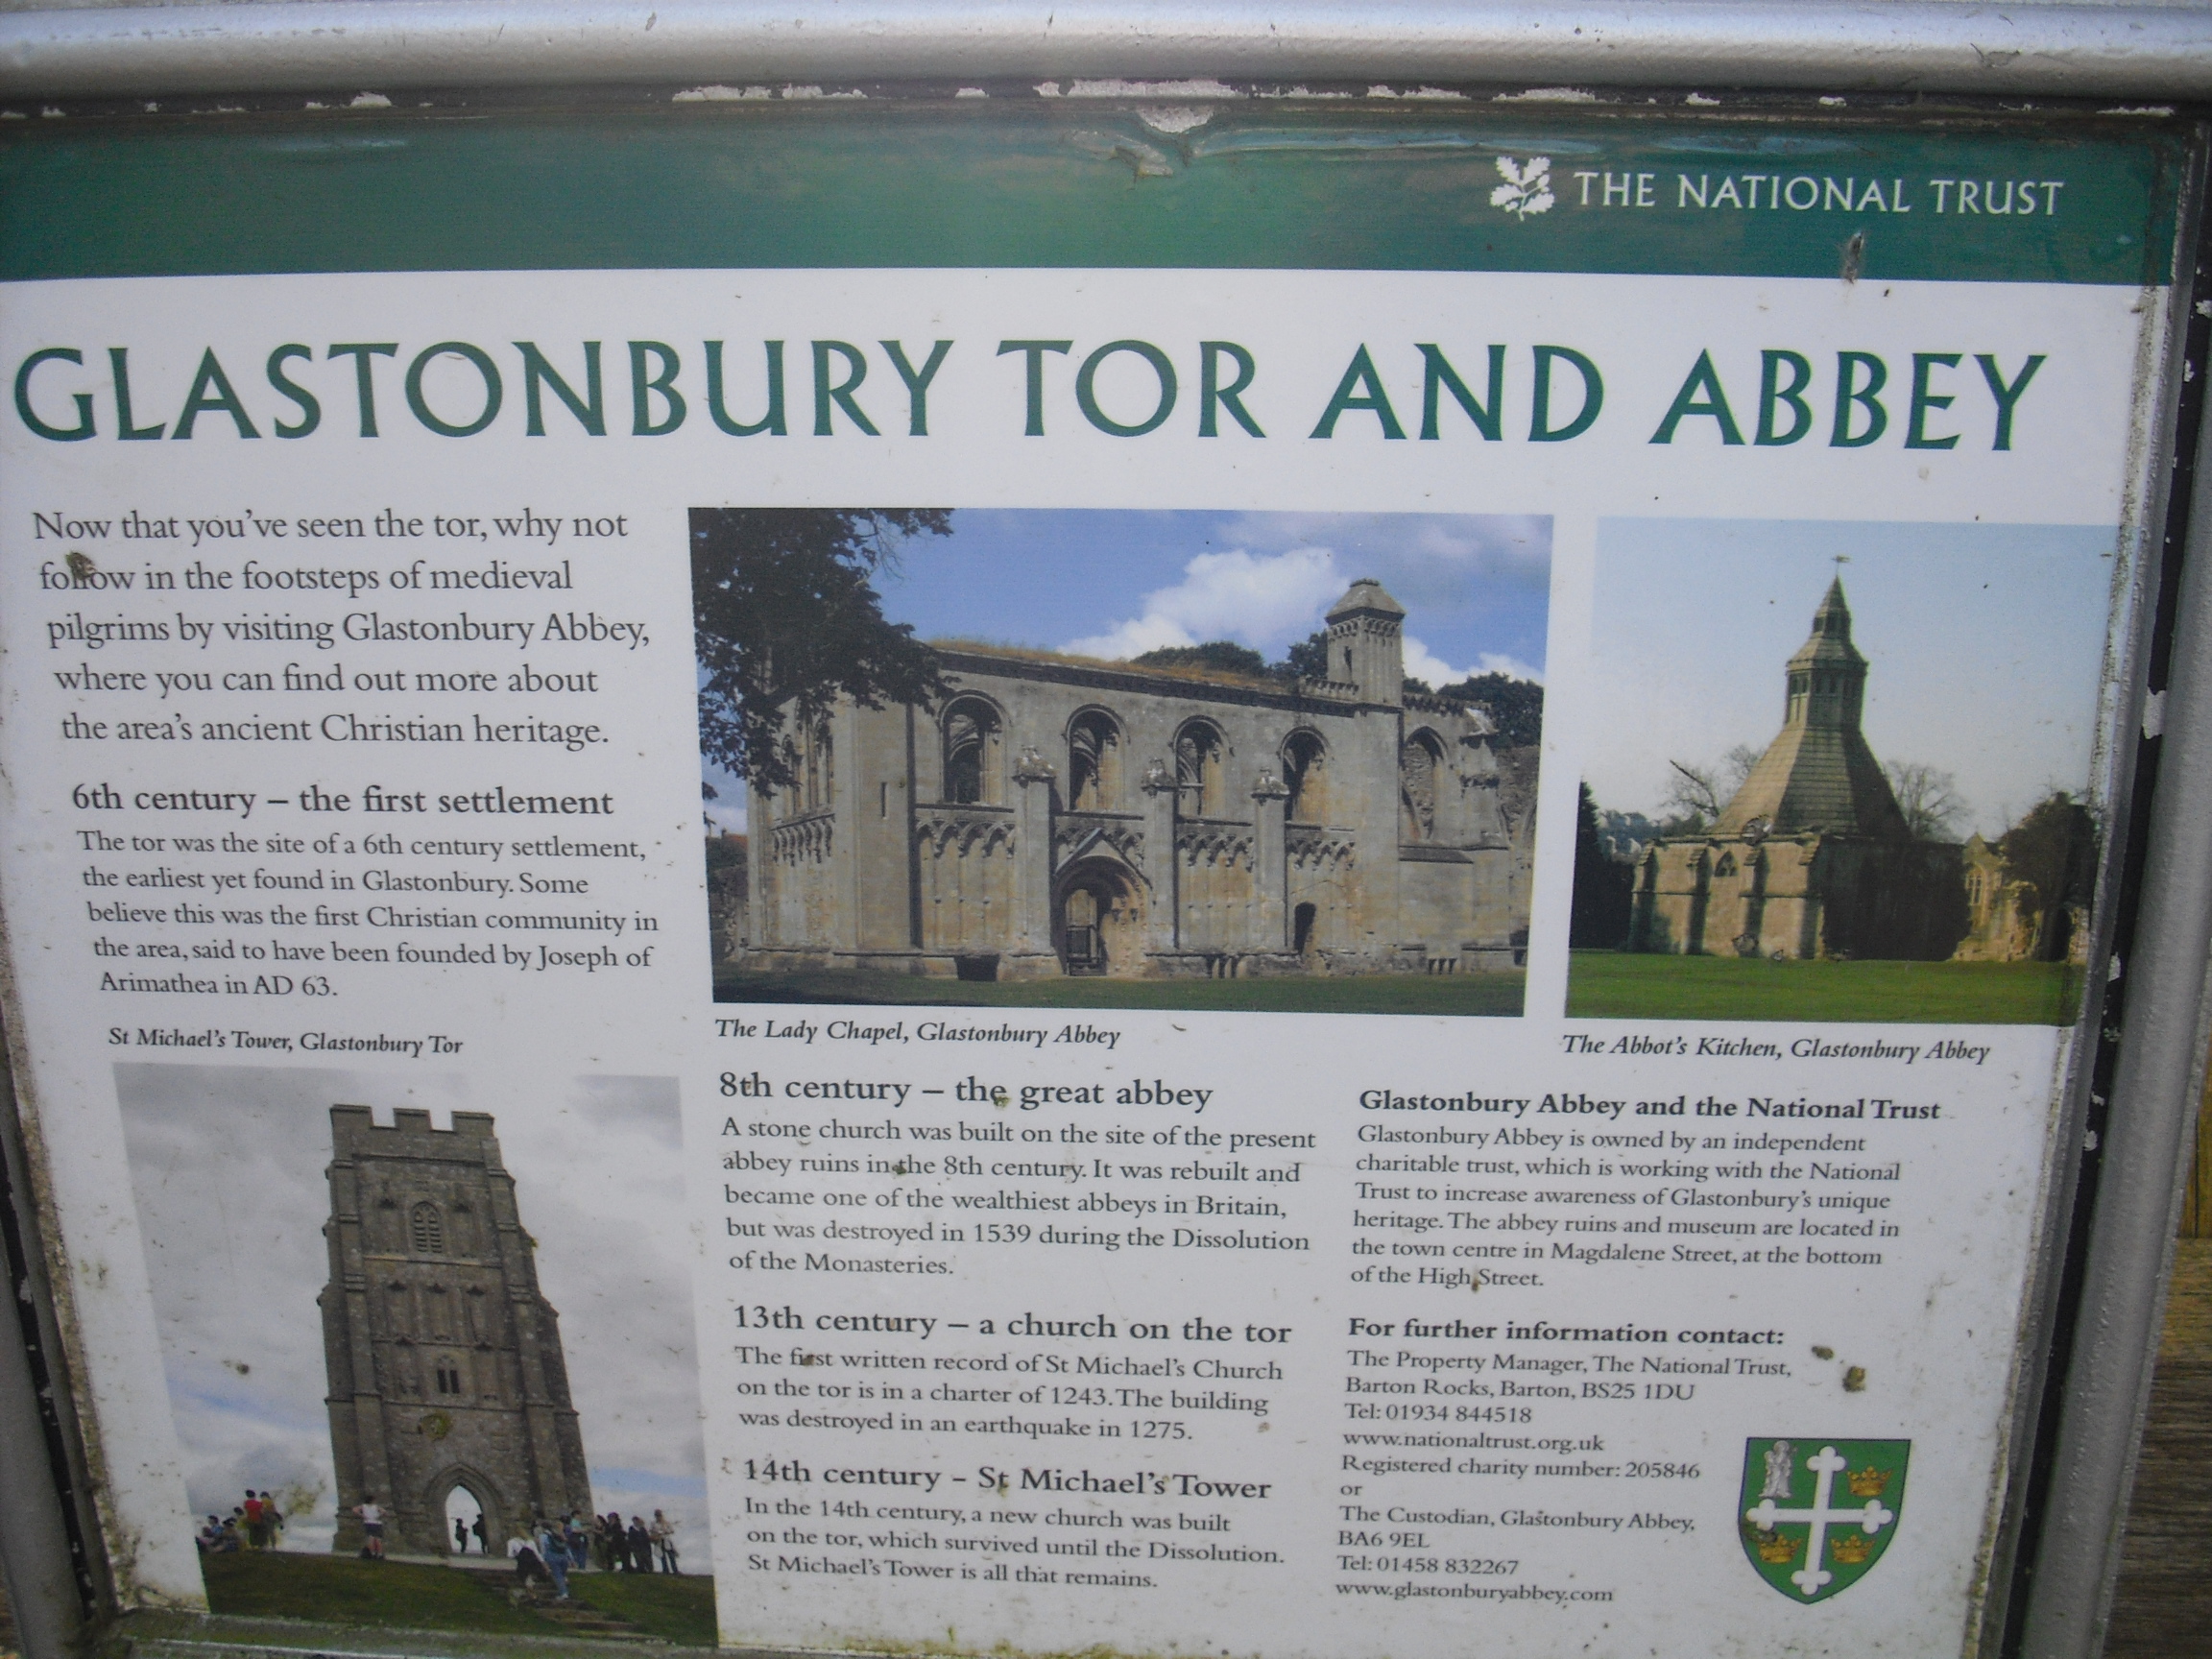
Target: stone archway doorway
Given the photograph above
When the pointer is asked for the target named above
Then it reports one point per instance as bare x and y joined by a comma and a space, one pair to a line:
463, 1493
466, 1532
1098, 919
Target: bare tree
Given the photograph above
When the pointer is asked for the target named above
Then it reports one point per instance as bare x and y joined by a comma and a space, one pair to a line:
1736, 767
1934, 808
1700, 793
1691, 792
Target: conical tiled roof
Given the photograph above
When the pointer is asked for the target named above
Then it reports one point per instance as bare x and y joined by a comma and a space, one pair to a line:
1819, 773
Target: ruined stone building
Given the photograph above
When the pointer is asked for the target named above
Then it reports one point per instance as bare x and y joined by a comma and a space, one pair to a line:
443, 1358
1811, 856
1061, 815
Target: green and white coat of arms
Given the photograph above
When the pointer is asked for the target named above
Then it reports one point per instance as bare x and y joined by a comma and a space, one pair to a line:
1818, 1514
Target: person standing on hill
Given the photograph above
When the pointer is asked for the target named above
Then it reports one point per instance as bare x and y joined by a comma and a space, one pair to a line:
555, 1551
372, 1527
663, 1532
274, 1520
257, 1527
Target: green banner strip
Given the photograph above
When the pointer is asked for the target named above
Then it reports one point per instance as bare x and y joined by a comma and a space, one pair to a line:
1038, 183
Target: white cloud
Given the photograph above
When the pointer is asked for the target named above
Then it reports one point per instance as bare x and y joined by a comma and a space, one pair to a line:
1259, 600
1422, 663
1431, 562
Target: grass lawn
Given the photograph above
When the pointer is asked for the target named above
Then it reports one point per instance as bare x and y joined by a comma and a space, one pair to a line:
345, 1589
675, 1608
1614, 985
1496, 995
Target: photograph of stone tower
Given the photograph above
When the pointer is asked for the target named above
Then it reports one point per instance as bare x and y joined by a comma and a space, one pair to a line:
354, 1276
444, 1356
1086, 822
1910, 837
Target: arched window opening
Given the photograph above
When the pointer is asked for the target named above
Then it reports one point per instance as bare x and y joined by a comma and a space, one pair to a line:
973, 734
1420, 763
426, 1228
817, 768
1198, 770
1094, 765
1302, 922
448, 1376
1305, 774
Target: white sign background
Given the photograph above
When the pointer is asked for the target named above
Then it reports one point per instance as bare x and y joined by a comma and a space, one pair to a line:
1934, 1330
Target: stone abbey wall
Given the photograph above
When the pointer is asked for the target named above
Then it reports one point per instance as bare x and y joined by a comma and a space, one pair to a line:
1057, 815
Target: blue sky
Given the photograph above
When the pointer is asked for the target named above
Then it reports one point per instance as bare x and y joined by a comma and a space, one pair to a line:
1984, 645
1116, 583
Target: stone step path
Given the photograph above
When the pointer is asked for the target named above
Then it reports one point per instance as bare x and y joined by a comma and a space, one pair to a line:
575, 1616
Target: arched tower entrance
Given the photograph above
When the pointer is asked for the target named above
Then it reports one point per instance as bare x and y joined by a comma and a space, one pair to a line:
467, 1498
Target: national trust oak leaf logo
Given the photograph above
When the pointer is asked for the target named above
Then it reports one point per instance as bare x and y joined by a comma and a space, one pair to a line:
1527, 187
1817, 1520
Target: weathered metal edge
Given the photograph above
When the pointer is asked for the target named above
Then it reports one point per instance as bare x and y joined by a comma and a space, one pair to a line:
2045, 47
2075, 1153
47, 1527
2144, 1161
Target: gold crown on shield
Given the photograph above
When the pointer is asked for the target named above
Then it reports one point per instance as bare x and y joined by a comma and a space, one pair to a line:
1868, 1482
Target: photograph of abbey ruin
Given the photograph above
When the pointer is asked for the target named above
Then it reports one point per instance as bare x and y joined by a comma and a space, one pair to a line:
380, 1304
1841, 772
1098, 758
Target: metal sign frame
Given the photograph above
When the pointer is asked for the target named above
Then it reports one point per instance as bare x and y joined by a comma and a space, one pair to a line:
2100, 1288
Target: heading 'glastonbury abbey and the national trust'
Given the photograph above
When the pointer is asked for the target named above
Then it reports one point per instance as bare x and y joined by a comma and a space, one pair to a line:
1056, 815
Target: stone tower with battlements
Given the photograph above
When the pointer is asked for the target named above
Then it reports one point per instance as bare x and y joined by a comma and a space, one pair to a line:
1367, 643
444, 1357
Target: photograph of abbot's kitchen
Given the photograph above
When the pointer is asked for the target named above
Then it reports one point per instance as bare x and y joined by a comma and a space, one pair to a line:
1847, 775
1120, 760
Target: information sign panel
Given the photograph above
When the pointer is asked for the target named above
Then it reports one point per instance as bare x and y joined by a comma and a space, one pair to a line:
1050, 871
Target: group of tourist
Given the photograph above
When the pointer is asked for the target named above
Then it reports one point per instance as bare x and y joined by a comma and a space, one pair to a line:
545, 1549
253, 1524
550, 1550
